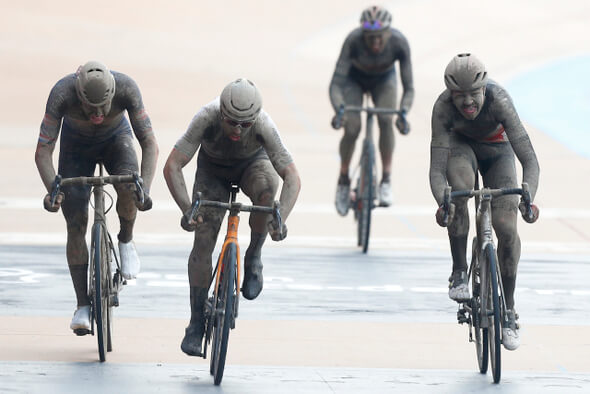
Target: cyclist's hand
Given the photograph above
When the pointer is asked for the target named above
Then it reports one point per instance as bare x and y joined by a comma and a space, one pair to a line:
534, 214
336, 122
147, 203
58, 200
189, 224
402, 125
275, 233
440, 215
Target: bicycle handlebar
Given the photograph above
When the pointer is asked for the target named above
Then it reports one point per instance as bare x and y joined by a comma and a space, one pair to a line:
337, 123
238, 206
522, 191
99, 180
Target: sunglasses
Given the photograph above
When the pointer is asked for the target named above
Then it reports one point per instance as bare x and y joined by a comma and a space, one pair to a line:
233, 123
375, 25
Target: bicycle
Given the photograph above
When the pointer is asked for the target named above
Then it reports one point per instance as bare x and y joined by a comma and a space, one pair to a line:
221, 309
103, 285
363, 196
485, 311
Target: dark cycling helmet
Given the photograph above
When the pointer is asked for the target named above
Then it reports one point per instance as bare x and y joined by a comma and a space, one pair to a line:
375, 18
465, 72
95, 85
240, 101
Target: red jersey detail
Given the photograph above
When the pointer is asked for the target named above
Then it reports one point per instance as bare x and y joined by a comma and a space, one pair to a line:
500, 136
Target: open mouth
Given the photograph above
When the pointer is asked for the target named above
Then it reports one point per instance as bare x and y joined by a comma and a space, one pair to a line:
234, 137
470, 110
96, 119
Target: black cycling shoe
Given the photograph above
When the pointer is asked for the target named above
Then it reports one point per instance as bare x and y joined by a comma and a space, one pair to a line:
252, 284
192, 343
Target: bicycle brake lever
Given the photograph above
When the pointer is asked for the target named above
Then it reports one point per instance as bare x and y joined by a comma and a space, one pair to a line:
55, 188
195, 208
277, 214
526, 198
337, 122
139, 192
446, 204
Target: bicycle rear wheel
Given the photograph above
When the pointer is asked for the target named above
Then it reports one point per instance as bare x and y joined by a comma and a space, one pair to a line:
224, 312
101, 288
494, 314
481, 333
366, 195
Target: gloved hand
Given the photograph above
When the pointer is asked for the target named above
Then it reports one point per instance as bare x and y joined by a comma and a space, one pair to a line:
147, 203
275, 233
534, 212
189, 224
58, 201
440, 215
336, 122
402, 123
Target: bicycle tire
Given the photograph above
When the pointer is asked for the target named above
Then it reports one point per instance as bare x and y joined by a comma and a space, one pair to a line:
226, 301
367, 193
494, 329
481, 333
100, 301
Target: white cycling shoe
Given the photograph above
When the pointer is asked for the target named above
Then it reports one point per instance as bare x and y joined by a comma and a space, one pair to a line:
81, 320
130, 264
342, 199
458, 287
511, 331
385, 194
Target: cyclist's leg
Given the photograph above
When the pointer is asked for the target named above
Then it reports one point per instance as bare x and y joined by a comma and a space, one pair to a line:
200, 260
119, 158
501, 172
461, 174
259, 182
77, 160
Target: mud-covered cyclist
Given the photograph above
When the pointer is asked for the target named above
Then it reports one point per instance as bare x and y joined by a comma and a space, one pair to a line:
475, 127
238, 143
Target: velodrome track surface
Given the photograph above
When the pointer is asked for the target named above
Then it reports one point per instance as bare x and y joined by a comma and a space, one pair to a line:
182, 55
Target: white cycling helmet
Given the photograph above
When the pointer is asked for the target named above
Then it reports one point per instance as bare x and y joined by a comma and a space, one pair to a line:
375, 18
240, 101
465, 72
95, 85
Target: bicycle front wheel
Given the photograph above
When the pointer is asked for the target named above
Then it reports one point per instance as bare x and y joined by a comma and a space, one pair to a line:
477, 315
224, 312
101, 288
366, 190
494, 314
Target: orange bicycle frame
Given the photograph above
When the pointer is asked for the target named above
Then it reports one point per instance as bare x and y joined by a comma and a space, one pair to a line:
231, 237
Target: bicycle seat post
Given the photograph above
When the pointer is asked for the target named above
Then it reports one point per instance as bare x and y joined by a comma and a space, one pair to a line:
235, 189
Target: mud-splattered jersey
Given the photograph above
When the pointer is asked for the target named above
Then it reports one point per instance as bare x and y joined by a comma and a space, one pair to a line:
205, 131
64, 104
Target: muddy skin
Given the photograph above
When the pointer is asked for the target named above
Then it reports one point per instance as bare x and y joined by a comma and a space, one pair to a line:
362, 68
85, 141
488, 143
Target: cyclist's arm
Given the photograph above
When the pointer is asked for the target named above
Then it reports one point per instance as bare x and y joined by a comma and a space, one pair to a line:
142, 127
340, 75
405, 66
439, 152
49, 131
520, 141
290, 189
175, 178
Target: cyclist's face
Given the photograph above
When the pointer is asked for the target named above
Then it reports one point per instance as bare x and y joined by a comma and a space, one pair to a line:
96, 114
469, 103
375, 41
233, 129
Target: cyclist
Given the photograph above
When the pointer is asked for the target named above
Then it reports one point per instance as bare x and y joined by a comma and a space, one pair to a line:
89, 107
241, 144
367, 64
475, 127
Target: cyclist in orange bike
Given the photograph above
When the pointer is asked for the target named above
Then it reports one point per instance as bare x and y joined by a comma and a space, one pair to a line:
89, 108
367, 64
475, 127
239, 143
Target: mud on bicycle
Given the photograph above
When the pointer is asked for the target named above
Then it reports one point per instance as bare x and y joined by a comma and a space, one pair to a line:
364, 194
221, 308
485, 312
104, 285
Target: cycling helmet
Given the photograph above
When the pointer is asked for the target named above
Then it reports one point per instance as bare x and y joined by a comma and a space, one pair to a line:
465, 72
375, 18
240, 101
95, 85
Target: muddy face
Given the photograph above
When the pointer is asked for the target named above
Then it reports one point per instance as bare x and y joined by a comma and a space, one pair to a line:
469, 103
